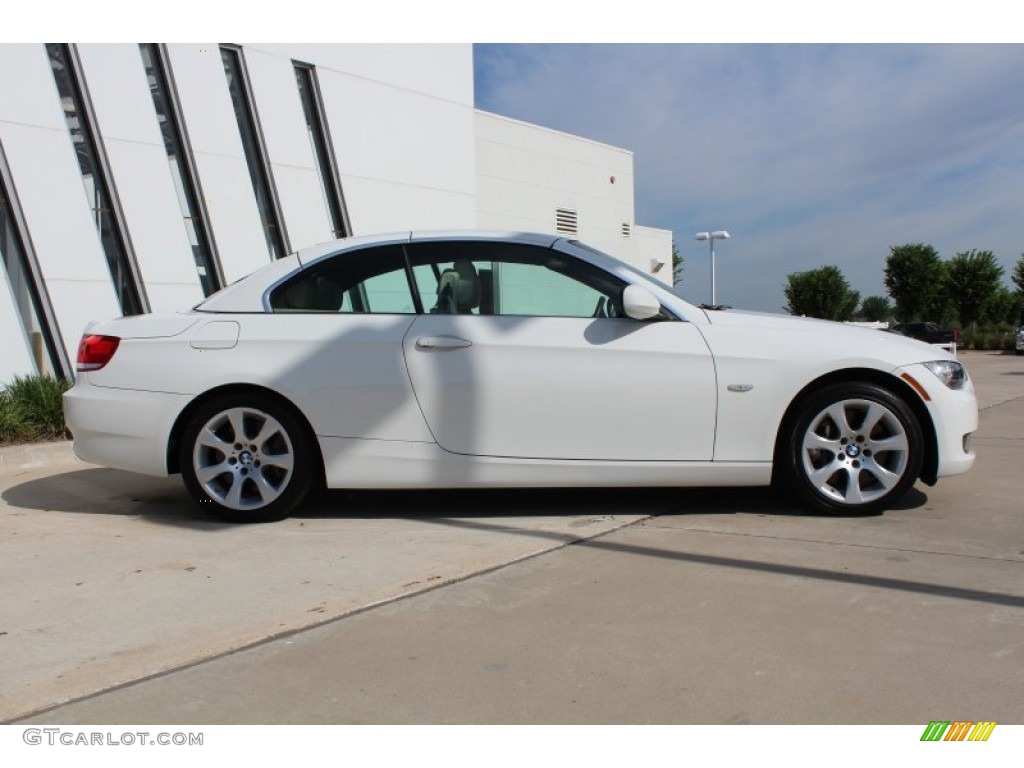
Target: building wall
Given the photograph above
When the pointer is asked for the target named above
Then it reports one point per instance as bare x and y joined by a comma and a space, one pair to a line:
411, 152
525, 173
50, 191
654, 247
401, 120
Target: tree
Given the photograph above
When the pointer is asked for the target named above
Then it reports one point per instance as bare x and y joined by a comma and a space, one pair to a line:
1018, 274
821, 292
973, 278
915, 279
1003, 307
875, 309
677, 265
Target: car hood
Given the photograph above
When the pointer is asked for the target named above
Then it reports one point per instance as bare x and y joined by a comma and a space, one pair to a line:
832, 338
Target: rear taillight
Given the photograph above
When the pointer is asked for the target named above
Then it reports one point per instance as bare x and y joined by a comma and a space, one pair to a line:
95, 351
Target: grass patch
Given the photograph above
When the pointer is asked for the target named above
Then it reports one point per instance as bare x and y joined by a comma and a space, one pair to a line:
31, 409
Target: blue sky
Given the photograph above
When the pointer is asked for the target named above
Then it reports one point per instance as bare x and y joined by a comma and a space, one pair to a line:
808, 154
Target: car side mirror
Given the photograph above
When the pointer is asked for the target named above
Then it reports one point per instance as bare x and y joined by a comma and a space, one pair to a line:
639, 303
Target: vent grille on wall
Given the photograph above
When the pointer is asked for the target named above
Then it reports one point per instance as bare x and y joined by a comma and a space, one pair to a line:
625, 229
566, 221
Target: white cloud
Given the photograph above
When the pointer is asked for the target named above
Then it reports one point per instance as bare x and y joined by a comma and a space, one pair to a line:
809, 155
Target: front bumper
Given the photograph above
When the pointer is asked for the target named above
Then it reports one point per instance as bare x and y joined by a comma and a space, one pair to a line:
954, 414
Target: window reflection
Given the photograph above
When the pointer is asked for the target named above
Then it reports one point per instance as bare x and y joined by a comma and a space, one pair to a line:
96, 188
319, 140
27, 296
181, 171
258, 169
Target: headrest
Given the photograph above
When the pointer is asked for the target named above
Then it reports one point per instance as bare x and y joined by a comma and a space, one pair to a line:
458, 290
315, 294
467, 296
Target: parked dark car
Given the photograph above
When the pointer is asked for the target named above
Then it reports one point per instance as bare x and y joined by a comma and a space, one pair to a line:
929, 333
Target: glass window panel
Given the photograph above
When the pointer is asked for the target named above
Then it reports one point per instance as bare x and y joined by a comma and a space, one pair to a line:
97, 190
388, 294
27, 296
426, 278
320, 144
182, 172
465, 277
259, 170
531, 289
370, 281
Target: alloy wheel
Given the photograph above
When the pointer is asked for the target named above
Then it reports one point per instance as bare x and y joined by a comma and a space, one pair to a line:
243, 458
855, 451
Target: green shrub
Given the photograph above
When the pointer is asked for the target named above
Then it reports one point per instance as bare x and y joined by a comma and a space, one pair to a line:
10, 425
31, 409
970, 338
989, 337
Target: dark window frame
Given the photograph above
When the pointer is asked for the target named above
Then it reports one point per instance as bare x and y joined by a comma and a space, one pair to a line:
363, 263
254, 148
25, 255
193, 189
132, 294
423, 254
323, 147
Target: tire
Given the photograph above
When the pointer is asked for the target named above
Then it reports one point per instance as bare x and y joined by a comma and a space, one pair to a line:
853, 449
247, 459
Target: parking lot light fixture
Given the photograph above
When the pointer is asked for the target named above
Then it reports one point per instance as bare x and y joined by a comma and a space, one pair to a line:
718, 234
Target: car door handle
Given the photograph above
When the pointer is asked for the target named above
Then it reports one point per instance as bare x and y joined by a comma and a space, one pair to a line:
441, 342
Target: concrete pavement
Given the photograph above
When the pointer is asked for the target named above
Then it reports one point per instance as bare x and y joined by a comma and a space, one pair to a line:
678, 607
107, 577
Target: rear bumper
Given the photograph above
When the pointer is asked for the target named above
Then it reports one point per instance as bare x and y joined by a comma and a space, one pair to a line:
121, 428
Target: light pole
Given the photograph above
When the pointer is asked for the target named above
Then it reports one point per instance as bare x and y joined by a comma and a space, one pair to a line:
719, 234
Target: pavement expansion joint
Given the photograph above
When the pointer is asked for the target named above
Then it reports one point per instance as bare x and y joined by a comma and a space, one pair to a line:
429, 586
1001, 402
826, 542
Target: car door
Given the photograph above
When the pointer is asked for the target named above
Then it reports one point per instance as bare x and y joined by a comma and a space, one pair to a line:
334, 340
524, 352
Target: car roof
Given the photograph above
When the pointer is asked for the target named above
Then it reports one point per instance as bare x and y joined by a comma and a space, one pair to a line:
316, 252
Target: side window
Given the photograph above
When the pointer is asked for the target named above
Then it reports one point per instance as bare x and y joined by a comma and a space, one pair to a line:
510, 279
369, 281
530, 289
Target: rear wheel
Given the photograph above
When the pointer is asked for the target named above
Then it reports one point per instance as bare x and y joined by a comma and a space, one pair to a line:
853, 449
247, 459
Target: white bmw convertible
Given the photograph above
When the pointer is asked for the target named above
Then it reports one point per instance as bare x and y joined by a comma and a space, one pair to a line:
444, 360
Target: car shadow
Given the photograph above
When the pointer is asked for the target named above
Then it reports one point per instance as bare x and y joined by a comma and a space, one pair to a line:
164, 501
111, 492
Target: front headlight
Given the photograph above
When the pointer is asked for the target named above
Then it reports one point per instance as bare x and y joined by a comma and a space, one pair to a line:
949, 372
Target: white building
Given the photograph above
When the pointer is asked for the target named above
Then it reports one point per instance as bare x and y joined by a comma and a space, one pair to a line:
138, 178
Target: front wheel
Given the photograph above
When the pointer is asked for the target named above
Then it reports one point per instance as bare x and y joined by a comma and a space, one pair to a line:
247, 459
853, 449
